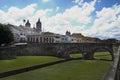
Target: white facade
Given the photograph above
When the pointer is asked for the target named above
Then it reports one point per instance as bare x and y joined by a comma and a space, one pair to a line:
62, 39
76, 40
67, 39
21, 32
44, 37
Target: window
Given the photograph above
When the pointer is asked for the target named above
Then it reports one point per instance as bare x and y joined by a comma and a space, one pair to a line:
21, 34
62, 38
66, 39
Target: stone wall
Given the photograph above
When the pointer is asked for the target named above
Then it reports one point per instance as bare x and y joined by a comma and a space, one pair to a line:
26, 50
55, 49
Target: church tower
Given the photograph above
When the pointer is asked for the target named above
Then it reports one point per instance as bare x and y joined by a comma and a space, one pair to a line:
27, 24
38, 26
68, 33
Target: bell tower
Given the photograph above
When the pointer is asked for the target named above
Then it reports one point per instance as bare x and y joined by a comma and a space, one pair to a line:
38, 26
27, 24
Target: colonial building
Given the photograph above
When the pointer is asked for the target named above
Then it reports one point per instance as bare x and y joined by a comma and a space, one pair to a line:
44, 37
83, 38
48, 37
75, 38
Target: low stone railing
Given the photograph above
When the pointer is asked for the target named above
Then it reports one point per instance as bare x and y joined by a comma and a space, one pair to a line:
113, 73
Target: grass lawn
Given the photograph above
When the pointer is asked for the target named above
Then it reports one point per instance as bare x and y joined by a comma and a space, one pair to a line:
97, 55
71, 70
76, 55
25, 61
103, 55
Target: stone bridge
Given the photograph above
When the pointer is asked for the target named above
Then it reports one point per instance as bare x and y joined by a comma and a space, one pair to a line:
87, 49
62, 50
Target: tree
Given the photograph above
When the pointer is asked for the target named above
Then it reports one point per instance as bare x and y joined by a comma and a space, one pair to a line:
6, 35
110, 40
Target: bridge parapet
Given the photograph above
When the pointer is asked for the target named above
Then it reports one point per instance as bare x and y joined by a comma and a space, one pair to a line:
114, 72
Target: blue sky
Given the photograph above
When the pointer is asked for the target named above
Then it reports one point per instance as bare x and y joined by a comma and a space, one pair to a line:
43, 4
95, 18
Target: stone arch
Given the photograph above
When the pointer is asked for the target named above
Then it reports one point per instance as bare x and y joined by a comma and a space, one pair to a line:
60, 51
73, 50
104, 49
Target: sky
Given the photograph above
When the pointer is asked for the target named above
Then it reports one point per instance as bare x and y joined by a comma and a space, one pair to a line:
93, 18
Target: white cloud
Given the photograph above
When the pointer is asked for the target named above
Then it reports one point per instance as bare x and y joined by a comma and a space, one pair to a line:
79, 14
14, 14
42, 14
107, 23
79, 2
65, 21
45, 0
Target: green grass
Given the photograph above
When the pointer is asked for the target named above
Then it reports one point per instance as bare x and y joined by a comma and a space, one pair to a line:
97, 55
76, 55
103, 55
71, 70
24, 61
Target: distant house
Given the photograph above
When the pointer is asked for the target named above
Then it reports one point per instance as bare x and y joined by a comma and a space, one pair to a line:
68, 39
83, 38
62, 39
76, 40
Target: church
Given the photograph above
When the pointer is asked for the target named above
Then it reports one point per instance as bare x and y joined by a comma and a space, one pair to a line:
38, 25
20, 32
39, 36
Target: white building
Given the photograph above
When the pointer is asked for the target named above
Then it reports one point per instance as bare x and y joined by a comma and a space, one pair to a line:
76, 40
20, 32
62, 39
